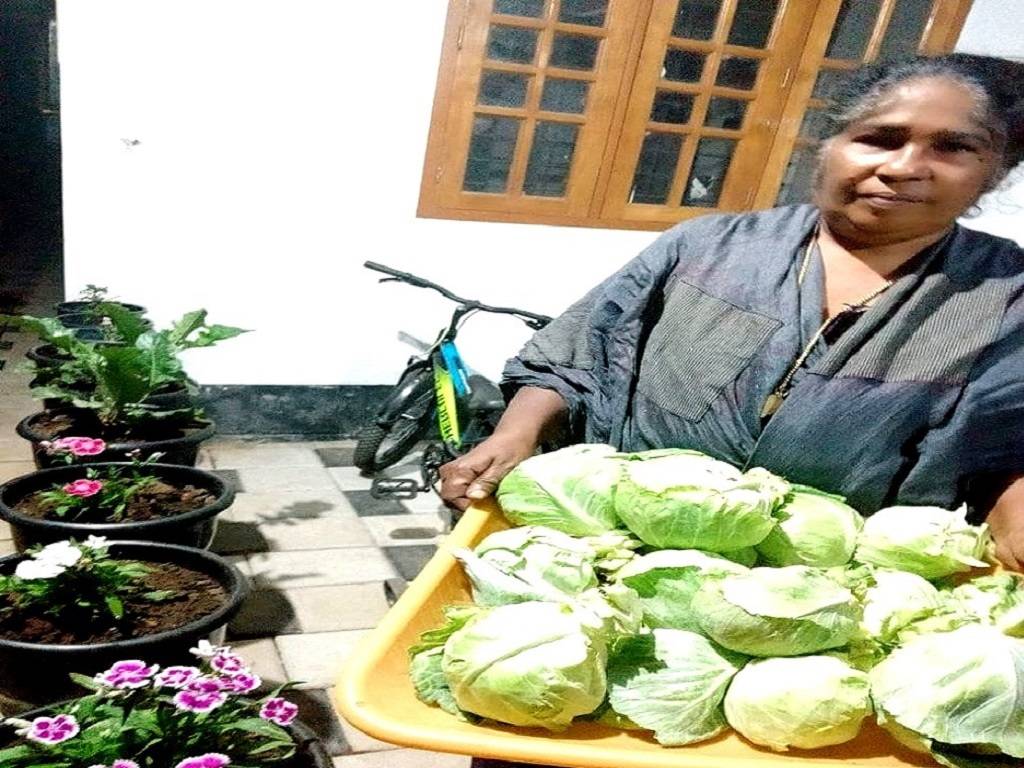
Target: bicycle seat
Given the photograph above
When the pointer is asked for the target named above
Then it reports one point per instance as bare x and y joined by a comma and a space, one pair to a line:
484, 395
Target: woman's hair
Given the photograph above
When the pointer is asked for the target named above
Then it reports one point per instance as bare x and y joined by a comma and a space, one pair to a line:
998, 86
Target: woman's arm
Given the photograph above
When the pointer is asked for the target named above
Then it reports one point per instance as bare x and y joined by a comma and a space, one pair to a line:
1007, 523
533, 415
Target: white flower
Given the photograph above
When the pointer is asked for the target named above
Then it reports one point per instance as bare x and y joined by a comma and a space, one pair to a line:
36, 569
206, 649
96, 542
59, 553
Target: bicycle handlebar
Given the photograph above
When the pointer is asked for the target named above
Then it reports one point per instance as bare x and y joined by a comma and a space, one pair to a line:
536, 321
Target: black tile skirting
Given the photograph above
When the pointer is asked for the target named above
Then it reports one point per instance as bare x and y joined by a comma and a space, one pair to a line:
291, 412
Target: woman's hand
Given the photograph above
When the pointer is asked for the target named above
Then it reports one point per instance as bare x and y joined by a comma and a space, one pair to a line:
477, 474
1007, 523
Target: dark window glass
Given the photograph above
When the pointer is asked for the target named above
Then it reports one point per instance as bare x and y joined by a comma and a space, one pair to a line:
589, 12
532, 8
852, 30
502, 89
671, 107
574, 51
547, 172
725, 113
815, 125
564, 96
655, 168
796, 185
708, 172
752, 22
512, 44
695, 19
737, 72
827, 84
906, 26
490, 154
683, 66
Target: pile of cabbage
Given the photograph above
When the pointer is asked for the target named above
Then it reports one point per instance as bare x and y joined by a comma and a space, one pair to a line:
671, 592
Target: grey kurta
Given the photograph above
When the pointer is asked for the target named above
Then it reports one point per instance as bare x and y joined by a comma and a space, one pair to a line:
920, 402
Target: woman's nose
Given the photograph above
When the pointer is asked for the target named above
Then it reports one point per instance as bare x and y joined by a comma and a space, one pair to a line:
908, 161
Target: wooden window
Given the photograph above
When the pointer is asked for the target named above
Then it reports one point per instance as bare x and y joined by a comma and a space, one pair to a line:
640, 113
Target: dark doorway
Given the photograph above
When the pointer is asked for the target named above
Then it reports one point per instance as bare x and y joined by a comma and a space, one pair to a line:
31, 258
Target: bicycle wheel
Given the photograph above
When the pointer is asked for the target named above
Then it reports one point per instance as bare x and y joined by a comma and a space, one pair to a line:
379, 447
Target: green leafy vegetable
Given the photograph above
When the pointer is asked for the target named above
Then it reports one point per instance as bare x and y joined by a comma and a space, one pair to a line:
814, 528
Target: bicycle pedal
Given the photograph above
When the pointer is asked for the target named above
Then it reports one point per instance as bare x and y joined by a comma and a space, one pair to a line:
395, 488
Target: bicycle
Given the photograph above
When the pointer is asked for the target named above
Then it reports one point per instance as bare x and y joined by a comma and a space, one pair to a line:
467, 406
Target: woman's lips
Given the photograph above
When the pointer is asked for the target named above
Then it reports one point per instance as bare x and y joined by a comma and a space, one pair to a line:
889, 201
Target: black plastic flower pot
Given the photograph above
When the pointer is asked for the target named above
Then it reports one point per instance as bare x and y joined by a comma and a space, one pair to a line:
182, 448
309, 749
38, 673
193, 529
77, 307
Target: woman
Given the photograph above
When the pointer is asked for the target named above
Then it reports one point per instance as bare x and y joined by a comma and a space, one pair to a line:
866, 345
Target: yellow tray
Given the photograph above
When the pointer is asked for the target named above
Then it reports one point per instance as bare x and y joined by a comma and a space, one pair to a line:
374, 693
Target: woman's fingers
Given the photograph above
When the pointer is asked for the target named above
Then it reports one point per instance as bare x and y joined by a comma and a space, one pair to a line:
477, 474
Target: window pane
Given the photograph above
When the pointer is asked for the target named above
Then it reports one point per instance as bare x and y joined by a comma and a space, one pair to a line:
490, 154
708, 172
683, 66
655, 168
906, 26
696, 19
725, 113
590, 12
815, 125
512, 44
736, 72
753, 22
574, 51
564, 96
503, 89
852, 29
827, 84
547, 173
531, 8
671, 107
796, 185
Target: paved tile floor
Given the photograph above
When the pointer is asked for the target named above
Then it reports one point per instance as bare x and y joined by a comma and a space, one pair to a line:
316, 547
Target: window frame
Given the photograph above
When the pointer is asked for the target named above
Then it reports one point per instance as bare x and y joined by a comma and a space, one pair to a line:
455, 90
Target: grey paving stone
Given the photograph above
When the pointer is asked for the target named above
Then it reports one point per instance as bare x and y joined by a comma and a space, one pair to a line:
265, 613
311, 609
402, 758
316, 712
317, 533
316, 659
295, 505
404, 530
409, 561
235, 538
350, 479
229, 476
319, 568
12, 469
264, 659
335, 456
259, 453
285, 479
365, 505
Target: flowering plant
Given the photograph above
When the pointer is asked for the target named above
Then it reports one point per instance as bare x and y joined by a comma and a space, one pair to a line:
76, 581
141, 716
103, 494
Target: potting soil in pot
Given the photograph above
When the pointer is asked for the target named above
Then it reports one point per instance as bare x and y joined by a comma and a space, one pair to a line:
156, 500
195, 595
55, 425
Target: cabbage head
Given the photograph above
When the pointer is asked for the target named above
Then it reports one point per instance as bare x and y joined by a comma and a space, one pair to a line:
788, 611
929, 541
666, 581
530, 664
805, 702
814, 528
528, 563
962, 687
671, 682
996, 599
570, 490
894, 601
687, 500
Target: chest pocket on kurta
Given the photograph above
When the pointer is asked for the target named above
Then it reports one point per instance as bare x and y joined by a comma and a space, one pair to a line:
697, 348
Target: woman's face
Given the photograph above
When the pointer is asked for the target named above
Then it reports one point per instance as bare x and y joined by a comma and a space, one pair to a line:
910, 167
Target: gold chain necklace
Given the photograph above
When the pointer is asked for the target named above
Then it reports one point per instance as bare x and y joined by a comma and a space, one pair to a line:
774, 401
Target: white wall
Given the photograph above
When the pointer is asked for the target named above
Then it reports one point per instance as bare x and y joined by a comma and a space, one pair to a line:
248, 155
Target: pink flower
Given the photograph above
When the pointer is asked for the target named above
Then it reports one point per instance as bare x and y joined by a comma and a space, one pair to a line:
83, 487
131, 673
192, 700
124, 764
209, 760
228, 663
80, 446
278, 710
241, 682
176, 677
52, 730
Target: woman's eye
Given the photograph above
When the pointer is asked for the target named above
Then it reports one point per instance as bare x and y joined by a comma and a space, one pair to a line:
953, 146
880, 140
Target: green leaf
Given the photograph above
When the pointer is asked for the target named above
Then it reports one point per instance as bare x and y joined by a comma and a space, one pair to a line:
20, 752
85, 681
129, 325
115, 605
